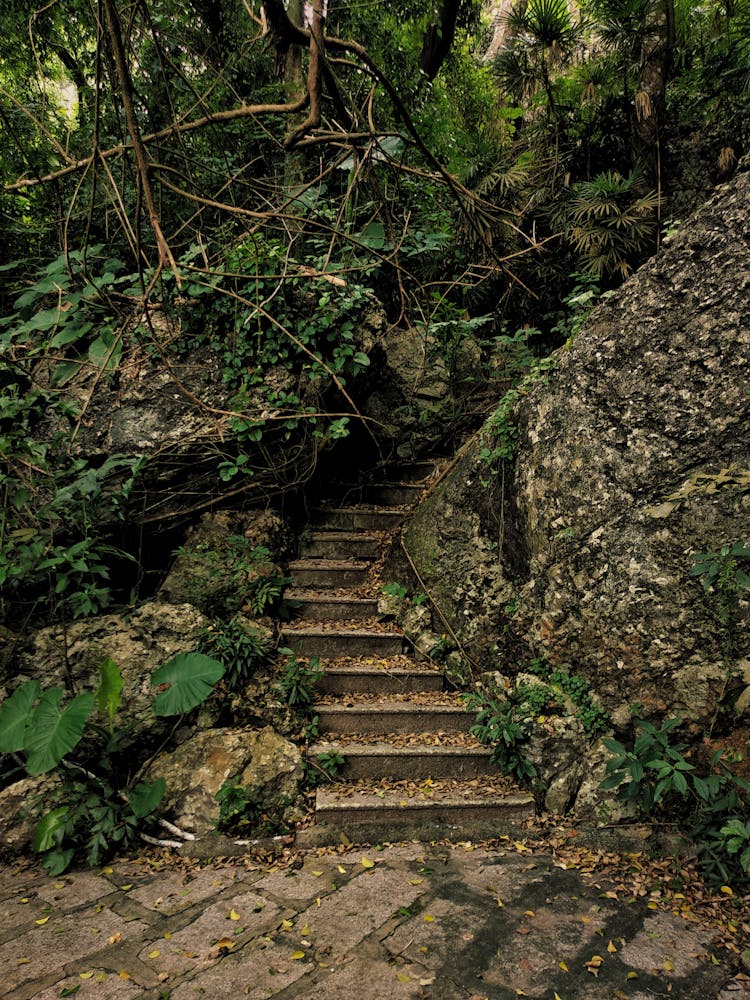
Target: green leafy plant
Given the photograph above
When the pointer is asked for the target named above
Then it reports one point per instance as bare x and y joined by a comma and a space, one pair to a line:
505, 726
241, 648
298, 679
244, 809
592, 716
96, 806
709, 802
726, 577
323, 767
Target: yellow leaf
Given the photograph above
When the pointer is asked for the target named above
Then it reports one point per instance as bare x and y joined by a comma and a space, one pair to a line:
26, 899
668, 965
287, 924
317, 900
403, 977
316, 874
529, 913
428, 919
225, 942
652, 906
500, 903
563, 966
115, 938
632, 975
100, 977
342, 870
167, 936
557, 996
154, 954
305, 930
22, 961
367, 863
234, 915
123, 974
59, 885
416, 881
86, 975
611, 948
126, 888
297, 955
41, 921
107, 870
726, 890
521, 993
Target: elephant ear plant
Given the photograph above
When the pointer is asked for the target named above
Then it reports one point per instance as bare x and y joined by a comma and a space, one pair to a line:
97, 805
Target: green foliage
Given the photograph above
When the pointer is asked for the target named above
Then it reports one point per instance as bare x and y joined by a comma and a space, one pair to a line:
94, 808
190, 679
505, 721
298, 679
559, 680
239, 647
323, 767
726, 577
709, 802
504, 725
500, 436
609, 221
395, 590
243, 809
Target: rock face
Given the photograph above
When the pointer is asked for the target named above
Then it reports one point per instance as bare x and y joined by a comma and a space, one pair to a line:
632, 456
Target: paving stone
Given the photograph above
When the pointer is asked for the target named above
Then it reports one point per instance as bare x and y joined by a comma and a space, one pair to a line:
171, 892
260, 971
666, 945
348, 915
64, 938
102, 985
194, 947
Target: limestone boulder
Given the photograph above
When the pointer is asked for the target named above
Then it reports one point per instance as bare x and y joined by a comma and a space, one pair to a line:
633, 457
260, 760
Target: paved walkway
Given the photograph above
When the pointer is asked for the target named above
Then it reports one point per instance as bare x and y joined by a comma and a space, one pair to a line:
432, 922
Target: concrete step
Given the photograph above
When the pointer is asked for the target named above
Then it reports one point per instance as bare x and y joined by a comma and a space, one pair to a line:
378, 680
384, 760
340, 545
329, 572
391, 494
342, 642
357, 518
392, 717
316, 606
451, 815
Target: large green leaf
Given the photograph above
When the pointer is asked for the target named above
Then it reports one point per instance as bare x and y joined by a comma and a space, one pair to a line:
15, 715
191, 677
54, 731
146, 796
108, 698
49, 829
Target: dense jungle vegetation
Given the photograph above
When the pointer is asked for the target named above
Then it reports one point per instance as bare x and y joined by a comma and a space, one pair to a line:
252, 180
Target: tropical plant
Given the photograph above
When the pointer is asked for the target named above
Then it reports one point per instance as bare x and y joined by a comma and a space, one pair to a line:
98, 805
298, 679
241, 648
658, 777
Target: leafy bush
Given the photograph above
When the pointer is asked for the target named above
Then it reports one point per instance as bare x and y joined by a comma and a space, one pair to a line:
710, 803
298, 679
241, 648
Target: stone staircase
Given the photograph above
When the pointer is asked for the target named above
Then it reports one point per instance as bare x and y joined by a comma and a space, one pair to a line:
411, 769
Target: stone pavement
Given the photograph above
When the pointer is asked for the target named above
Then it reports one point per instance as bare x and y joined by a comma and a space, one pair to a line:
410, 922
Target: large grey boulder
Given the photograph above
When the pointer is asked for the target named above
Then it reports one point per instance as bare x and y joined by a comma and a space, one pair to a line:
262, 762
632, 456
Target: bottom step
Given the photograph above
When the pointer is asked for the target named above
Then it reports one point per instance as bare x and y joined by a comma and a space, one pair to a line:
367, 817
